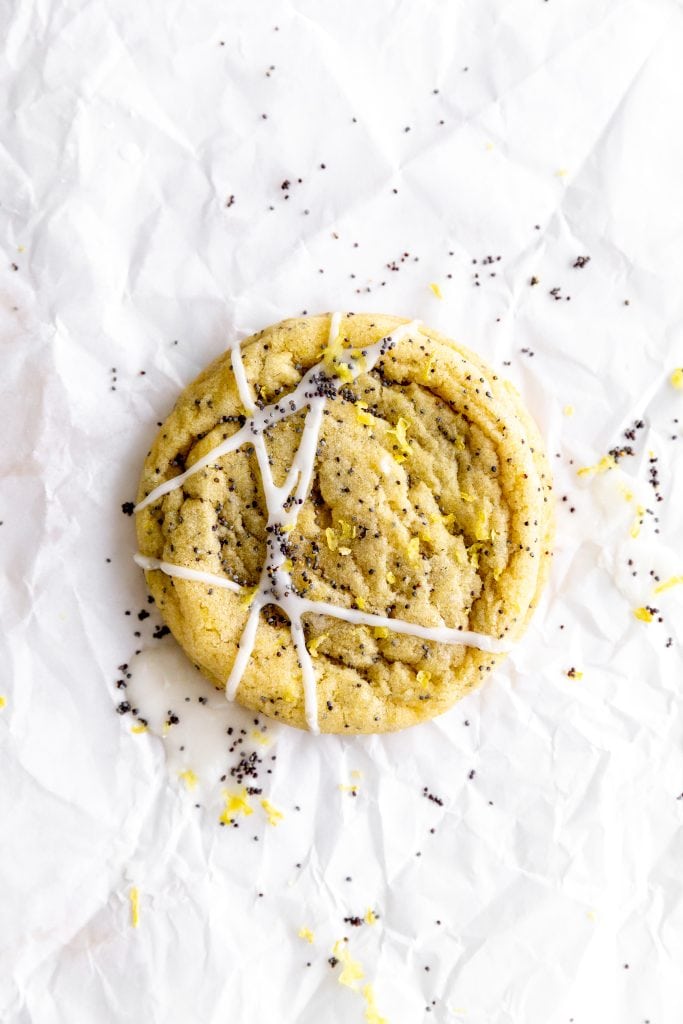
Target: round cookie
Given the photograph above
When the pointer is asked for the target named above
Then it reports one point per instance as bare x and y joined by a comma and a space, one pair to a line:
428, 504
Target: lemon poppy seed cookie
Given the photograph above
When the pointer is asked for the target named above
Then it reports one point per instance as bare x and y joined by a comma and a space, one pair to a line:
346, 521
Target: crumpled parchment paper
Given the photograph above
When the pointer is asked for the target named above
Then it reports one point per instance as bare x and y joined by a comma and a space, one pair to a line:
146, 220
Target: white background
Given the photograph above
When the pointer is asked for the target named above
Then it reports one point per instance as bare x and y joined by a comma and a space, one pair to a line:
126, 128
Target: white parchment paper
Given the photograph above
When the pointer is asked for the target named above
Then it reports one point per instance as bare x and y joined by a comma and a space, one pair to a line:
143, 151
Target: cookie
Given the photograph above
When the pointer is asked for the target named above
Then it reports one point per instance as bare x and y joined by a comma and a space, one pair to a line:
346, 521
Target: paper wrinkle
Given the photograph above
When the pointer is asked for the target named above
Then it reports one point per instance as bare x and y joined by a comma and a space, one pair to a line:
559, 860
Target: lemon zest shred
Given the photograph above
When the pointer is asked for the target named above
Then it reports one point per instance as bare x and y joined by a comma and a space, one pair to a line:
360, 603
481, 531
315, 644
248, 595
676, 378
372, 1014
390, 577
235, 803
606, 463
467, 497
274, 816
331, 538
189, 778
370, 916
644, 614
400, 432
352, 971
348, 530
429, 366
673, 581
366, 418
259, 737
137, 729
423, 678
380, 632
3, 703
413, 549
307, 935
436, 290
134, 897
568, 410
638, 521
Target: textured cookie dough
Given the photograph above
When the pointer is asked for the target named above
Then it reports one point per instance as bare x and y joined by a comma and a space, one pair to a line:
430, 502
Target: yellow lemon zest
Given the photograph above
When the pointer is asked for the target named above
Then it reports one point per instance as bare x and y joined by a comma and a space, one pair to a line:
467, 497
429, 366
287, 565
287, 529
366, 418
3, 702
673, 581
606, 463
473, 553
426, 536
259, 737
306, 934
274, 816
248, 595
638, 521
423, 678
436, 290
481, 531
235, 803
343, 371
137, 729
289, 694
331, 538
568, 410
189, 778
676, 378
372, 1014
380, 632
134, 897
400, 432
315, 644
349, 789
644, 614
370, 916
348, 530
360, 603
351, 969
390, 577
413, 549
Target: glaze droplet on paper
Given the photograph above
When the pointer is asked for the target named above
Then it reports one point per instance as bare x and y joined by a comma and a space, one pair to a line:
283, 504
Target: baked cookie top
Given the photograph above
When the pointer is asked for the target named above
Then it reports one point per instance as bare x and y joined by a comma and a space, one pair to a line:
346, 521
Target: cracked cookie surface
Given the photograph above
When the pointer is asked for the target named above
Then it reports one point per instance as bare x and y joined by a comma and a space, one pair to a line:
430, 502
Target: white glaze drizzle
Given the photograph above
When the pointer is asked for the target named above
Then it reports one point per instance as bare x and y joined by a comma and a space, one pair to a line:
241, 377
283, 504
183, 573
